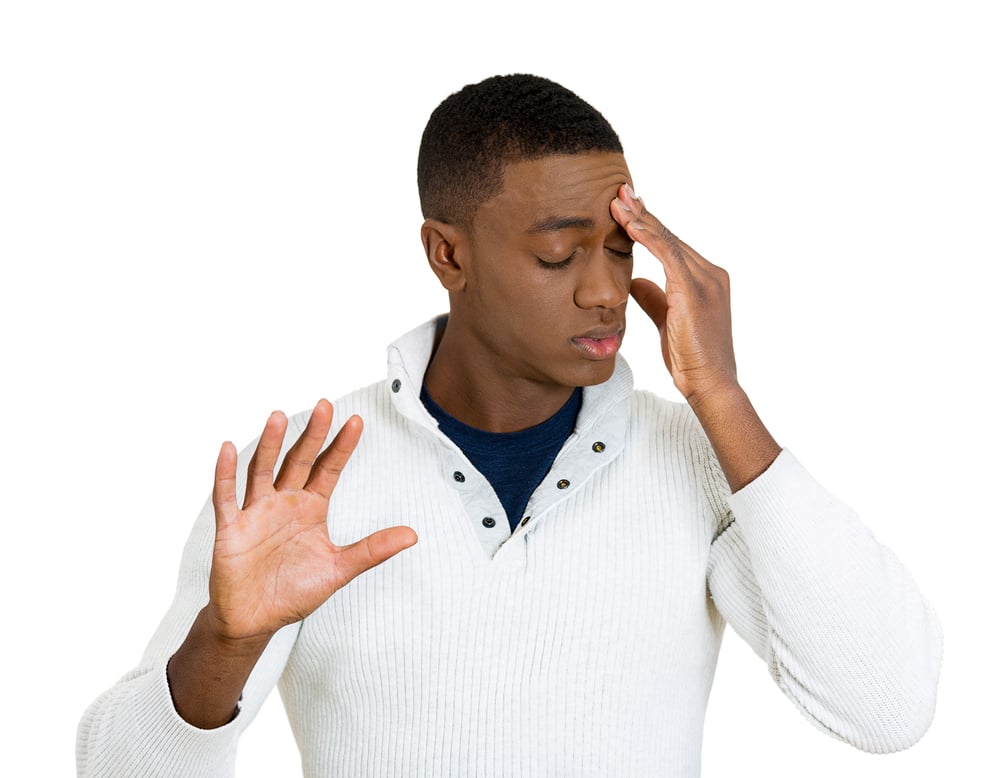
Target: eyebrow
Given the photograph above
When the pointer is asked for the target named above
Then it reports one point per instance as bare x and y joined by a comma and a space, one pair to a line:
556, 223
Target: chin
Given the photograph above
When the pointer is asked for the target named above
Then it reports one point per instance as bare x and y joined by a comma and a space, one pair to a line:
596, 373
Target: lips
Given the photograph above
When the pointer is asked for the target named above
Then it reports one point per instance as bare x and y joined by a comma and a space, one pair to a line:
601, 343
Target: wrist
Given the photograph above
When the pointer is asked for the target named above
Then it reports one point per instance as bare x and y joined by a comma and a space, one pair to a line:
742, 444
722, 399
214, 630
207, 673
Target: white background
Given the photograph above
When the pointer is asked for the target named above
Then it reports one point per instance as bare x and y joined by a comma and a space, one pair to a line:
208, 211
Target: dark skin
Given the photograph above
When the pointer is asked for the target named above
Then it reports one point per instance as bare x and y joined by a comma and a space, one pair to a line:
538, 285
543, 264
272, 564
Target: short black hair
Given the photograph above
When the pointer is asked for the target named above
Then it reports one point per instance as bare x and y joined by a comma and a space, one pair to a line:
475, 133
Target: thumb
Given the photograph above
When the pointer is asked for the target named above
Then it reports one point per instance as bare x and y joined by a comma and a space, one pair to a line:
373, 550
651, 298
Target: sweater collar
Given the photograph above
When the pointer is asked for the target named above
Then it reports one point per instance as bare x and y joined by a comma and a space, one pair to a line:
409, 356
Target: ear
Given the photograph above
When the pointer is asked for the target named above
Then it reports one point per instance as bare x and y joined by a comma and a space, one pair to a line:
446, 248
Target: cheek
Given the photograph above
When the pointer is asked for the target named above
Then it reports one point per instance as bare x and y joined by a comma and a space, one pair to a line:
513, 294
551, 296
531, 293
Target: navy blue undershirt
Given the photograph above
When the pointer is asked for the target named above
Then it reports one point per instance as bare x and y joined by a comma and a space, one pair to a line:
513, 462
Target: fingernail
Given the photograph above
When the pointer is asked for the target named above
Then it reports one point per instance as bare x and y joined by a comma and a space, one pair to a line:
631, 192
622, 205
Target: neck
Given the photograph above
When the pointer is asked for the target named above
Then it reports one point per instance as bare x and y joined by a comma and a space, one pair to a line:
472, 386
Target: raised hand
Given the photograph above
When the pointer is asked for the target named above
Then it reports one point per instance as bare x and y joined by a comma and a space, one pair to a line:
273, 562
693, 315
691, 311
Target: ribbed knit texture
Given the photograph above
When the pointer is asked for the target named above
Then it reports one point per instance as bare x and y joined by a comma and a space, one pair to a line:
513, 462
582, 645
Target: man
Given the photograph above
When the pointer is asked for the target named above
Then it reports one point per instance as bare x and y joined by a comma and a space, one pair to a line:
581, 544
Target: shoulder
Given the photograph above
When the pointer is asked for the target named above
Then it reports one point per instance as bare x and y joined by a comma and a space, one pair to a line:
670, 433
649, 413
369, 402
666, 433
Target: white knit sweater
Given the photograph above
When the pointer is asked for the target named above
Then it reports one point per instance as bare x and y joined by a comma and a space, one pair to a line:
582, 645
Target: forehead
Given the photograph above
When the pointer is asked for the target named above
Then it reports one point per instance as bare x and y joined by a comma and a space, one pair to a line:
553, 187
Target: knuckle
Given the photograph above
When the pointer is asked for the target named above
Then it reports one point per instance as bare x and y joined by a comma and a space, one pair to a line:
333, 468
298, 462
670, 239
225, 498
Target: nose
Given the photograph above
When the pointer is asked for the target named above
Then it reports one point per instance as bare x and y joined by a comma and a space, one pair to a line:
604, 283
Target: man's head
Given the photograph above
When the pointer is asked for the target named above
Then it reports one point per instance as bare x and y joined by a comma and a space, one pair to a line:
517, 177
473, 136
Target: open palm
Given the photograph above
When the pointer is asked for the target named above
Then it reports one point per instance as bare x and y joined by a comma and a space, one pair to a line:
273, 563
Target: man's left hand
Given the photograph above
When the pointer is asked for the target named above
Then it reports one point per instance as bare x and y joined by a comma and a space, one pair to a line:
691, 311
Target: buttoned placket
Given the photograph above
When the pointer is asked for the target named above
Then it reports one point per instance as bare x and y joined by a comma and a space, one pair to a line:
588, 449
582, 455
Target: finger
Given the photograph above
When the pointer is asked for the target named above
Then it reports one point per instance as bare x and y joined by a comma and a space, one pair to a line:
681, 263
644, 228
373, 550
694, 259
299, 460
330, 464
224, 490
652, 299
632, 209
651, 224
260, 472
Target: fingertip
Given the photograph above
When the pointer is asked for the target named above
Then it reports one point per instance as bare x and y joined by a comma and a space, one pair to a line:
622, 205
349, 434
322, 411
225, 463
401, 536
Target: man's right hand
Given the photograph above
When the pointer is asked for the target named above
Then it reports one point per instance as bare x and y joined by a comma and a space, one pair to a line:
273, 563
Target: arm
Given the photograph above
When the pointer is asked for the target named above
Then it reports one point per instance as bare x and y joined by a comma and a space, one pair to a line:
264, 567
273, 563
693, 316
839, 621
842, 626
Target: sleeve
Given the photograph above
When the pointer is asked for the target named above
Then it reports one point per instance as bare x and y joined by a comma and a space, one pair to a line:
133, 729
840, 623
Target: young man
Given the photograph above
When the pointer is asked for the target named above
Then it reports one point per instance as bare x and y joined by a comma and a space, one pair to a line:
581, 543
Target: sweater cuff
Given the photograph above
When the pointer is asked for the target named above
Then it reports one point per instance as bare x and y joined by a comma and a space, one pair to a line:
162, 743
155, 703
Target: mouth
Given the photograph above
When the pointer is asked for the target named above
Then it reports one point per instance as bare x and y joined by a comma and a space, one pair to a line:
599, 343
